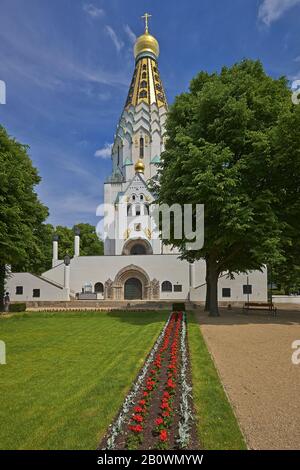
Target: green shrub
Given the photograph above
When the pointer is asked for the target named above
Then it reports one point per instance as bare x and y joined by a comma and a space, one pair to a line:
20, 307
179, 307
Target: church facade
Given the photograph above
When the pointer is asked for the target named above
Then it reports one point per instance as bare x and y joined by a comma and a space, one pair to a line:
136, 265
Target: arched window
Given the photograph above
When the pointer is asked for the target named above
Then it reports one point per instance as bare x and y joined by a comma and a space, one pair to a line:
141, 147
99, 288
138, 249
144, 66
143, 84
143, 94
129, 210
141, 197
166, 286
137, 210
118, 155
144, 75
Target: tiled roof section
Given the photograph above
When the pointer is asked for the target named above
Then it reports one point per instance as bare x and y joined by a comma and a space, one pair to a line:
146, 85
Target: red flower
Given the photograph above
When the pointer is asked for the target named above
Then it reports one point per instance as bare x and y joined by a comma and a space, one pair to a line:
145, 394
171, 384
165, 406
159, 421
163, 435
166, 414
137, 428
138, 418
139, 409
142, 402
166, 395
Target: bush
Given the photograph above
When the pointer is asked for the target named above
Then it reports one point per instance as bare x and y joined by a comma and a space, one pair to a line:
179, 307
20, 307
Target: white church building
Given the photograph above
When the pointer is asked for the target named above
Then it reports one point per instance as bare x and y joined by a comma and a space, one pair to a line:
136, 265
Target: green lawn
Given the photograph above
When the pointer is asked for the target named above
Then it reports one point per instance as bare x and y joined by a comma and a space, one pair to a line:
217, 426
68, 373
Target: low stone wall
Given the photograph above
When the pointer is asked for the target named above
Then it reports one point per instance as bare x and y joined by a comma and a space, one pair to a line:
286, 299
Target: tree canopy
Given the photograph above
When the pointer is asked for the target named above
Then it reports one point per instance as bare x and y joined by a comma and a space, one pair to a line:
41, 260
223, 151
21, 212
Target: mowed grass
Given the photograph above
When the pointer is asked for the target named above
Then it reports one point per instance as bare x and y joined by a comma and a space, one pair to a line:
67, 374
217, 426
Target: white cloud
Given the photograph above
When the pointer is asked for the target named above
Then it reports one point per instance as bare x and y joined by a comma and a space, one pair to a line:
130, 34
113, 36
93, 11
271, 10
105, 152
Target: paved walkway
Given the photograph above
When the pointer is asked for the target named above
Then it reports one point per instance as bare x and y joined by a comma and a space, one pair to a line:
253, 357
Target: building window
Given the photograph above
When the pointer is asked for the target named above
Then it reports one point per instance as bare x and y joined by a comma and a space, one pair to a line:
36, 293
144, 66
99, 289
137, 227
141, 147
226, 292
177, 288
144, 75
143, 94
138, 210
141, 197
19, 290
247, 289
118, 155
166, 286
143, 84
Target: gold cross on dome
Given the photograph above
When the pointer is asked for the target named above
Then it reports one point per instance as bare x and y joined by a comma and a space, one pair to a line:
146, 17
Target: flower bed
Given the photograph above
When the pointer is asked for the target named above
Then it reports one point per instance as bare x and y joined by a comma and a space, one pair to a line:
157, 412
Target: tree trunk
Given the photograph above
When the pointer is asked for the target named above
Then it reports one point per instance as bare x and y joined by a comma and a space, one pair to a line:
213, 287
207, 300
2, 281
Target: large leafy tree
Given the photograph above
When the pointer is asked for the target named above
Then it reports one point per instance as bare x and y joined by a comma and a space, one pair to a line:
219, 152
21, 212
286, 183
90, 244
40, 260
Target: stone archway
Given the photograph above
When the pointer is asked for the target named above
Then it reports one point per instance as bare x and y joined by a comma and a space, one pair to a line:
133, 289
137, 246
131, 272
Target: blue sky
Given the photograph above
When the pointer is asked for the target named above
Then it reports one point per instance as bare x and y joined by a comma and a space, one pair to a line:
67, 65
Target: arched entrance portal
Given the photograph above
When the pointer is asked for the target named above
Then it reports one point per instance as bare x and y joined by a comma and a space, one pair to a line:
133, 289
138, 249
138, 246
132, 283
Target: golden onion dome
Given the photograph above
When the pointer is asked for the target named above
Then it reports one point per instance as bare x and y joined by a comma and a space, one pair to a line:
139, 166
146, 43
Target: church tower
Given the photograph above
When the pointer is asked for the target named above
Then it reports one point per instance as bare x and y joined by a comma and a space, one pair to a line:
138, 144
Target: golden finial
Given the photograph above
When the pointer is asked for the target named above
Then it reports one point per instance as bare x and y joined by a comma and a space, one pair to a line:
139, 166
146, 17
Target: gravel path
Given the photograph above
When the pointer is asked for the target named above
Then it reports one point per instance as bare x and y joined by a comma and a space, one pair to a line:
253, 357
